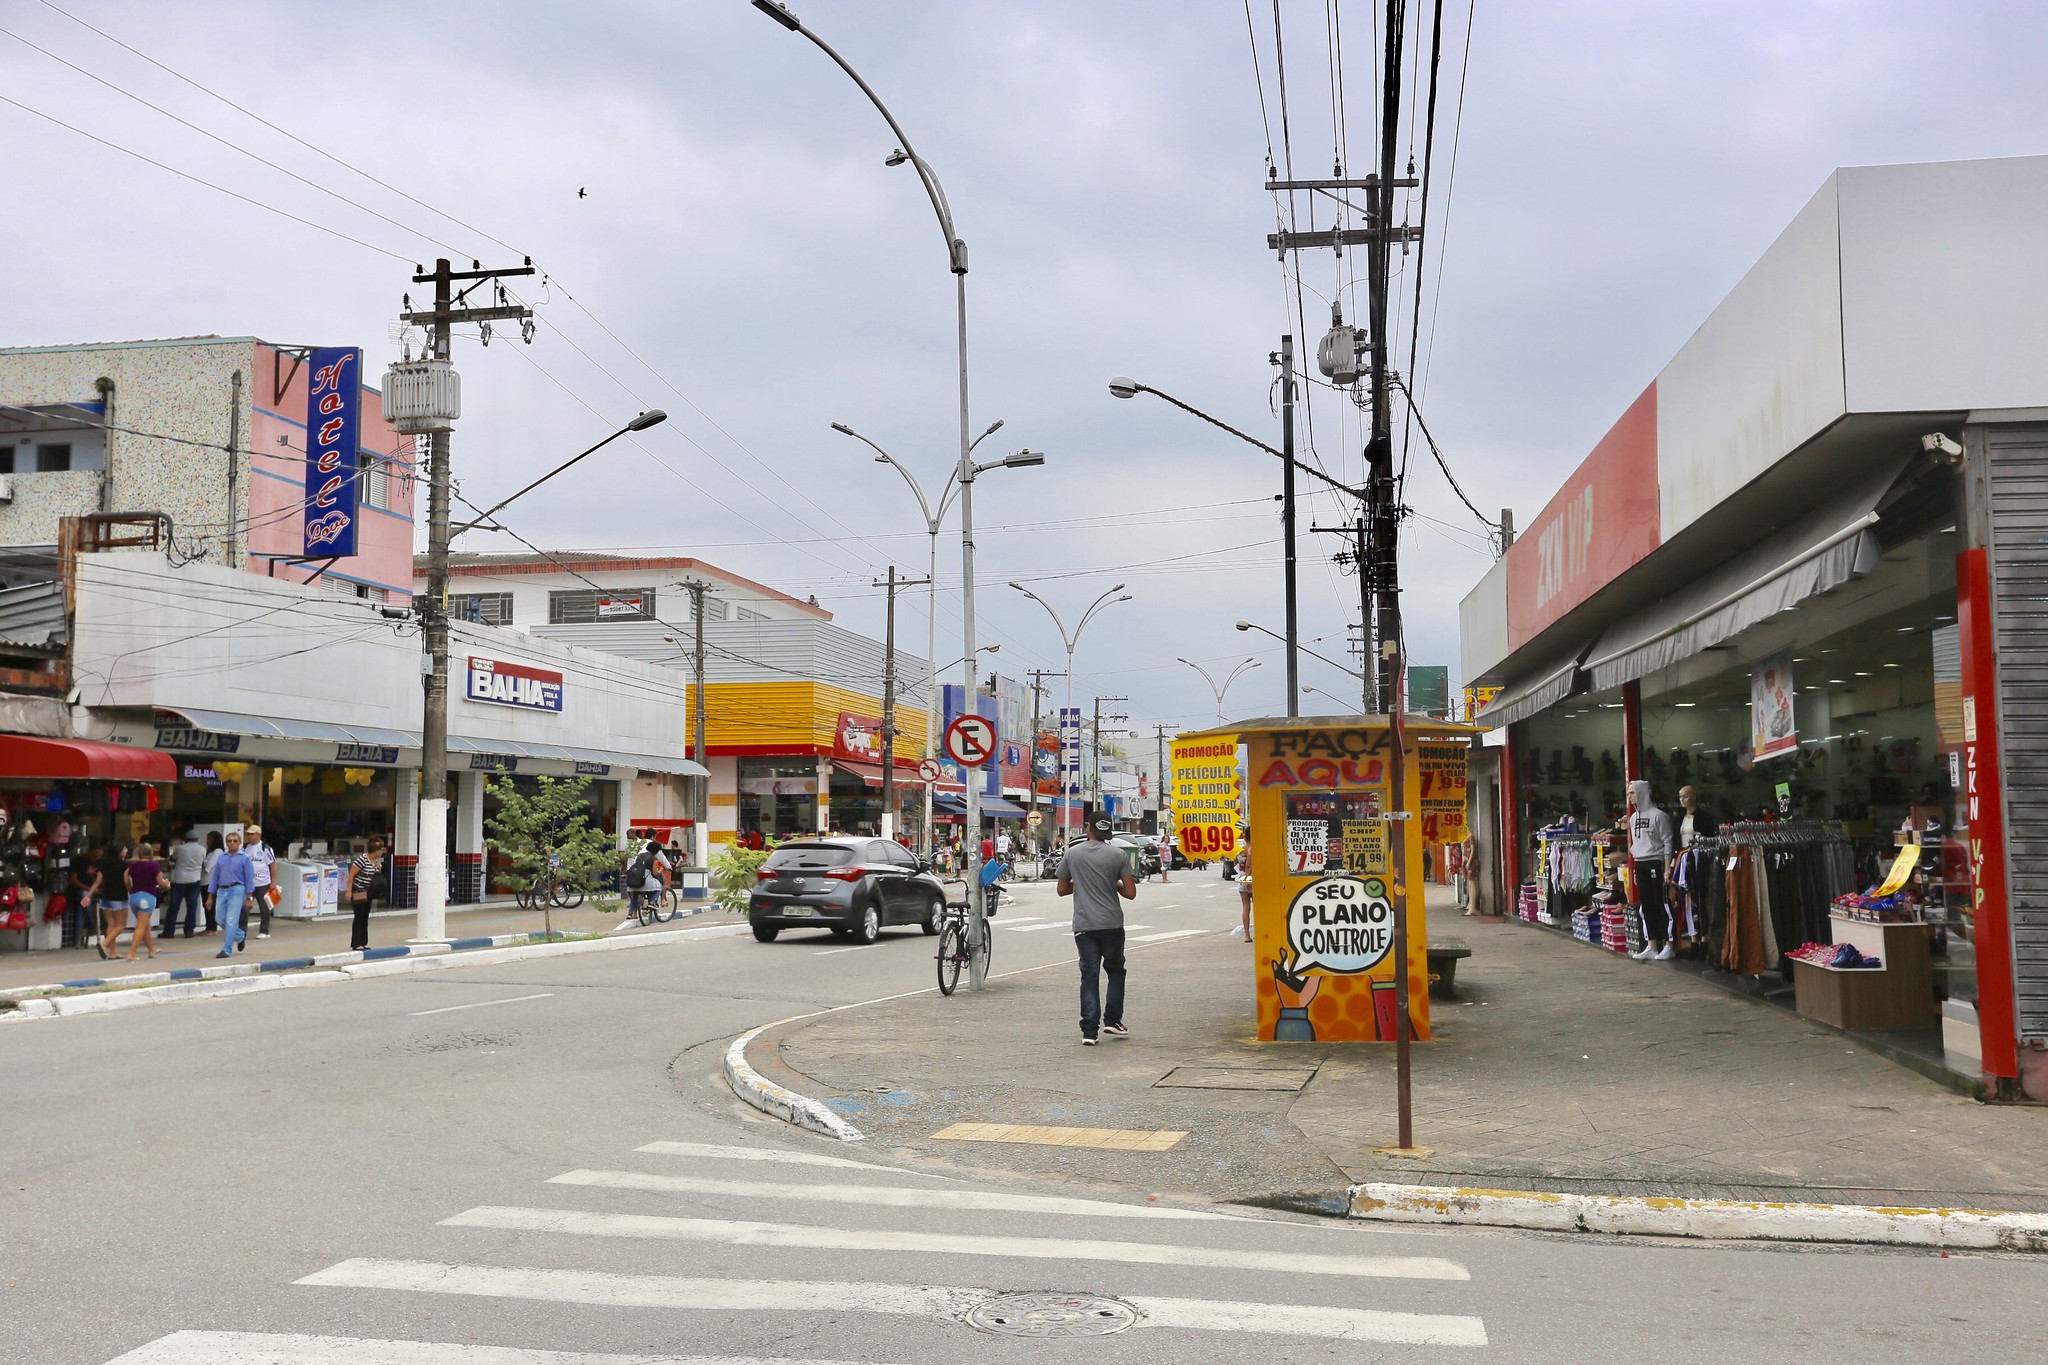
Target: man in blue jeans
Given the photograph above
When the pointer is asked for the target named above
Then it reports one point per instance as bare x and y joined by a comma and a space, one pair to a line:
228, 891
1098, 876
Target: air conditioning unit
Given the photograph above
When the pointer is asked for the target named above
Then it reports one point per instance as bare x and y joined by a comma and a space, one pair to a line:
6, 489
422, 396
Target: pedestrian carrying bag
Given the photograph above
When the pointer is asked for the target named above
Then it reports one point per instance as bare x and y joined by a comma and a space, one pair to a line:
379, 886
636, 875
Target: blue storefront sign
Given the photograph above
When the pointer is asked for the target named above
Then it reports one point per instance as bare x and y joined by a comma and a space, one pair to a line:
334, 399
365, 753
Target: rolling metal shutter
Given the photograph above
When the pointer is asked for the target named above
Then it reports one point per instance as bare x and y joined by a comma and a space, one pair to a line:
2019, 576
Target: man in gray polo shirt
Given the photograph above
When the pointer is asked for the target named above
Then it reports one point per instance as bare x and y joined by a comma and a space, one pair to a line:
1096, 874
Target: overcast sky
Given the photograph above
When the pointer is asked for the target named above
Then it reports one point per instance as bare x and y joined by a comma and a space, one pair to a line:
744, 260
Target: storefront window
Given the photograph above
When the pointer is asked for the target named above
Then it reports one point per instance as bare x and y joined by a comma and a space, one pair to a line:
778, 797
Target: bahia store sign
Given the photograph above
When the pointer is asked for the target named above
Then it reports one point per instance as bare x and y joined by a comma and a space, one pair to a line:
503, 684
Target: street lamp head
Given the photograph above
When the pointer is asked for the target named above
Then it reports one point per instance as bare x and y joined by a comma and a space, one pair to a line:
653, 417
993, 427
1125, 598
1244, 625
896, 157
1119, 588
1121, 386
780, 14
842, 428
1024, 459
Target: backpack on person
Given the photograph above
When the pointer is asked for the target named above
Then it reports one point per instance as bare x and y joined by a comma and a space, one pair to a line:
638, 870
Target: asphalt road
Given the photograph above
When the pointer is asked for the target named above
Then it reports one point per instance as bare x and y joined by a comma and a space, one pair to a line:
521, 1161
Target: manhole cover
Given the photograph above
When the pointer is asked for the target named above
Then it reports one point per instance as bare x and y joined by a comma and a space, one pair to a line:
1052, 1315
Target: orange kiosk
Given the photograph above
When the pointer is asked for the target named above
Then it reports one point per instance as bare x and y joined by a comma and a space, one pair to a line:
1324, 891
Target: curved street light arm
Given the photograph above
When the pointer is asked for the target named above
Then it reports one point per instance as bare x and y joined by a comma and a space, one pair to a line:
1349, 672
1307, 469
931, 519
1238, 671
1097, 605
1065, 639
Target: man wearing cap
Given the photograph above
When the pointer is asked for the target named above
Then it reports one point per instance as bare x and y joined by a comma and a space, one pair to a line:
1098, 876
262, 859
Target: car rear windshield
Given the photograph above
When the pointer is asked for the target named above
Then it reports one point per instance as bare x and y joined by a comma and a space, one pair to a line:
809, 855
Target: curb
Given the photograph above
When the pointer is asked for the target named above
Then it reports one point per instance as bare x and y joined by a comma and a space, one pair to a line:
779, 1101
1721, 1219
243, 978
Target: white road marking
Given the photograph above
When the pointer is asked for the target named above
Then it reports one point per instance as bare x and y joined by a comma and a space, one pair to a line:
737, 1233
480, 1004
277, 1348
851, 948
1033, 928
715, 1152
945, 1302
1173, 933
886, 1196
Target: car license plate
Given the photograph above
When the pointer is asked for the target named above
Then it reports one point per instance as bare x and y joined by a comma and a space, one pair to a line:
798, 911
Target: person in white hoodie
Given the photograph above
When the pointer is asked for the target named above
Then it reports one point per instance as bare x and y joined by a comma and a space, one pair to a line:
1650, 846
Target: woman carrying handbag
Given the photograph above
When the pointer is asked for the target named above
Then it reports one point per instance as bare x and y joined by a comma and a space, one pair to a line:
366, 882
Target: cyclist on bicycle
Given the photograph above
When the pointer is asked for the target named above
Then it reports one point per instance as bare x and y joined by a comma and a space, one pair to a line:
647, 874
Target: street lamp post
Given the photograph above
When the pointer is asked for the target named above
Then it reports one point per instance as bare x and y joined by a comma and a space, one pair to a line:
653, 417
1071, 641
1363, 679
1124, 387
956, 262
934, 517
1223, 690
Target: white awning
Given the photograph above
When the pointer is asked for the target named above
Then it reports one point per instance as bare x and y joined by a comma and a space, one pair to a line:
1523, 700
1819, 552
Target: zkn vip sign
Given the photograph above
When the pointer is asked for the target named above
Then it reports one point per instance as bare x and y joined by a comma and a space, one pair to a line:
1322, 832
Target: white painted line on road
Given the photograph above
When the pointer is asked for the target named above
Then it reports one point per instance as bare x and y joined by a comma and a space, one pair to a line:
1173, 933
1033, 928
279, 1348
739, 1233
480, 1004
827, 952
945, 1302
886, 1196
715, 1152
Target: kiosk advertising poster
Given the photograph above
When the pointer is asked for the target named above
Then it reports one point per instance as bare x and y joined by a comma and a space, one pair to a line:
1443, 792
1206, 796
1323, 887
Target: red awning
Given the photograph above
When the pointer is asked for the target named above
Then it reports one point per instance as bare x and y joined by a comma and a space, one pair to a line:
871, 773
25, 756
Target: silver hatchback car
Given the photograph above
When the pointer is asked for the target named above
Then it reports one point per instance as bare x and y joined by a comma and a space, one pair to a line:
854, 887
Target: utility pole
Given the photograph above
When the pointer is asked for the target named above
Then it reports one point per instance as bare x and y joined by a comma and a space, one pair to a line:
700, 809
449, 309
1038, 677
1287, 521
892, 583
1159, 799
1097, 741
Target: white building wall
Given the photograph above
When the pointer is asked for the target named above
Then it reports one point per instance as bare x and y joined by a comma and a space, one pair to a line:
530, 592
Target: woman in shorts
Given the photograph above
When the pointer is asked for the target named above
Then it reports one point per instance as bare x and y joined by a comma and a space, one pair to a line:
145, 878
113, 897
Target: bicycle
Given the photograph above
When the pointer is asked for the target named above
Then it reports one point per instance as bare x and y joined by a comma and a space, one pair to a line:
654, 905
957, 945
548, 888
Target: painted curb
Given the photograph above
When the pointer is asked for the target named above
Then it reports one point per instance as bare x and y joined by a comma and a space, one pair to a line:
242, 978
1720, 1219
780, 1101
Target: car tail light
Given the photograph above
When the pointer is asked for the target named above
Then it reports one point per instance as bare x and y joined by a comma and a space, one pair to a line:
843, 874
767, 874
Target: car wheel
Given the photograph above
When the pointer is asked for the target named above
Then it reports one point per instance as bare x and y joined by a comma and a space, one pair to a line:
765, 933
933, 909
868, 927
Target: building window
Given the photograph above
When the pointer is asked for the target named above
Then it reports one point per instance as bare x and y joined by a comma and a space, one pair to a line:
749, 614
716, 609
6, 459
577, 606
377, 482
53, 458
484, 608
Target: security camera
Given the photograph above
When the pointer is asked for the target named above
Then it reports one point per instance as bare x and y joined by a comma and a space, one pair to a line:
1938, 443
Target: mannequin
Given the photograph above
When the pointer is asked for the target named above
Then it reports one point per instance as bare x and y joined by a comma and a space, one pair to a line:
1650, 849
1693, 822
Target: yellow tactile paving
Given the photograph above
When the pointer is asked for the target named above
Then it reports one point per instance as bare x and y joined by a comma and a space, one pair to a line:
1038, 1134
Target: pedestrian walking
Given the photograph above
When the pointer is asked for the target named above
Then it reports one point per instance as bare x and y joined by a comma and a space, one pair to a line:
363, 874
228, 890
1098, 876
85, 898
145, 880
263, 898
1243, 864
188, 885
214, 848
113, 897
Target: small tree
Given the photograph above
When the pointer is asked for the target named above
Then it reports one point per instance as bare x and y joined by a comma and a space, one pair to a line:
735, 872
543, 819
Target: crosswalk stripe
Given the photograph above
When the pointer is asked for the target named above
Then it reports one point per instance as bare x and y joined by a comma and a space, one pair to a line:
716, 1152
734, 1233
888, 1196
1171, 933
609, 1289
282, 1348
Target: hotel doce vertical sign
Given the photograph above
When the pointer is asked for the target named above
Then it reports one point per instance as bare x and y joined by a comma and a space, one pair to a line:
1603, 520
334, 399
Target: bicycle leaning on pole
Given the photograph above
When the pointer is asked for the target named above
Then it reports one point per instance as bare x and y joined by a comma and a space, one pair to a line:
966, 940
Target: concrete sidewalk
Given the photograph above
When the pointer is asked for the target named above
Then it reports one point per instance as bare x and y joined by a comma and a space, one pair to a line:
1555, 1068
291, 938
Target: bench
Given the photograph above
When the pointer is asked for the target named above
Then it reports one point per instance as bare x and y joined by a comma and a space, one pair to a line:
1443, 955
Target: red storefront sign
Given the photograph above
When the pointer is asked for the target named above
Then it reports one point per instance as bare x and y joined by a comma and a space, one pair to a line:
1984, 808
858, 738
1601, 522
